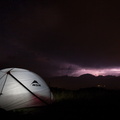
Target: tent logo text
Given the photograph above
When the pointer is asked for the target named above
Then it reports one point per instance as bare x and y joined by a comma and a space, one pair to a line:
35, 83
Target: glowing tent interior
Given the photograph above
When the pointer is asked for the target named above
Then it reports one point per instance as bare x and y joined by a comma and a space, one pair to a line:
21, 88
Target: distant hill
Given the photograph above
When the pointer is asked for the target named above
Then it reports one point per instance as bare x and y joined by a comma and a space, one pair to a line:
84, 81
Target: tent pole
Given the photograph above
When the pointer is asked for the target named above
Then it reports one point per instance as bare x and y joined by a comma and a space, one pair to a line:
27, 88
3, 84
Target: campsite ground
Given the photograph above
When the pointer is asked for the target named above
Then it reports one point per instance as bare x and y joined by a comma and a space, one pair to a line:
83, 104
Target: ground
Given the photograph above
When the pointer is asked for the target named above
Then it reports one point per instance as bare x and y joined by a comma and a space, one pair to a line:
83, 104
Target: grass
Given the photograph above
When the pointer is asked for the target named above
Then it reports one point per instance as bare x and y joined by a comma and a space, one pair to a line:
88, 103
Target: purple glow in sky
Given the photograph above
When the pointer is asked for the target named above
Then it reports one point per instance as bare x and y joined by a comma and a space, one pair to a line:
97, 72
75, 70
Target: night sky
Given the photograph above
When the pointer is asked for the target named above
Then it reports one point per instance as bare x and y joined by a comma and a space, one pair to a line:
60, 37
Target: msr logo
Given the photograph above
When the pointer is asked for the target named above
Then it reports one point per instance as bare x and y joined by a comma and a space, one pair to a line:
35, 83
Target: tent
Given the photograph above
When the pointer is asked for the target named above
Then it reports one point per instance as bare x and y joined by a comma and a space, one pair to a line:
21, 88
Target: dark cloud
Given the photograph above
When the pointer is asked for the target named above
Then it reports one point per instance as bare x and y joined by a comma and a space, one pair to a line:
41, 35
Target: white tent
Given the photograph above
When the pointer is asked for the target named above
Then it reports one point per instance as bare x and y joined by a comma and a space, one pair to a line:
21, 88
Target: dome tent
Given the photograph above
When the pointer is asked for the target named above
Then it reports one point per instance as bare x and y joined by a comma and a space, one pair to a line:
21, 88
